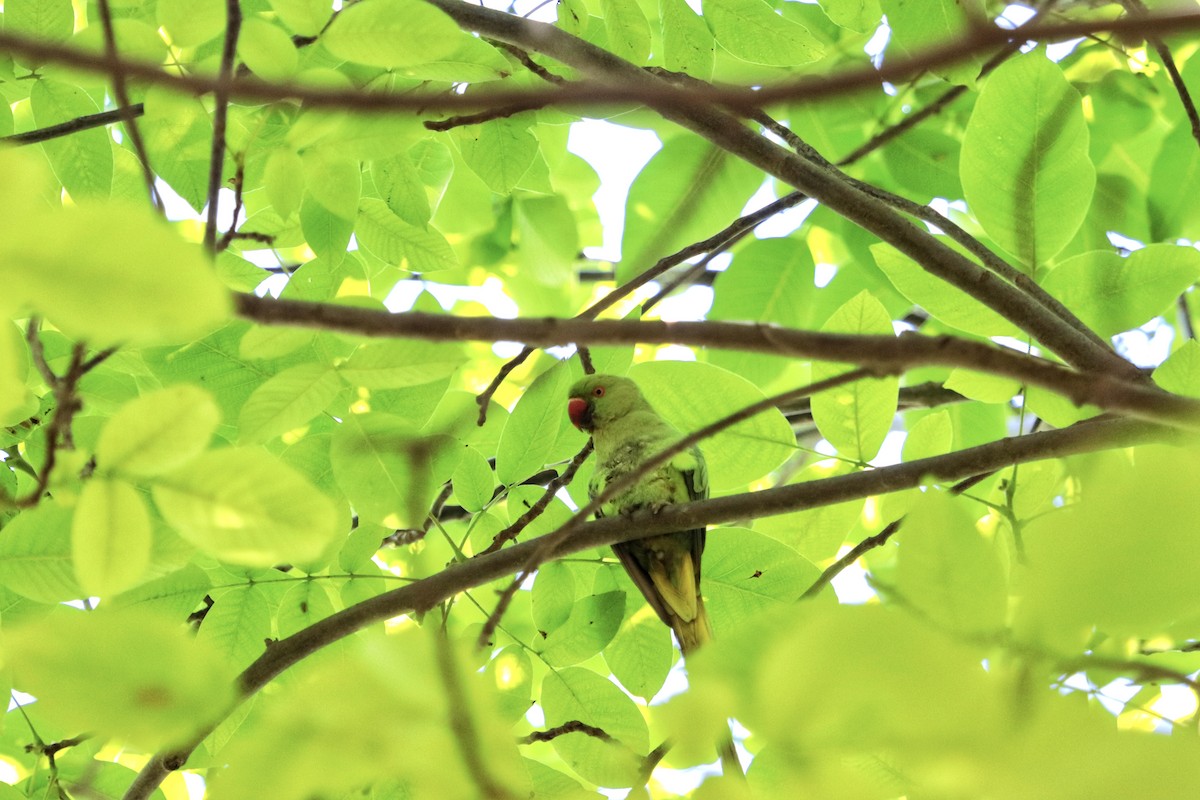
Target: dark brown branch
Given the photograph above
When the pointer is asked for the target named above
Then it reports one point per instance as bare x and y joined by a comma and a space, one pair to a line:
121, 93
886, 354
425, 594
450, 123
239, 182
84, 123
216, 165
571, 726
981, 39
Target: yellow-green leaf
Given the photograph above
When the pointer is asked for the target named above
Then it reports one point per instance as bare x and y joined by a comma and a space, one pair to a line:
158, 431
110, 537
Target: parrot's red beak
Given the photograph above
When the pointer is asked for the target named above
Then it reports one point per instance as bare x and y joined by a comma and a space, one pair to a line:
580, 412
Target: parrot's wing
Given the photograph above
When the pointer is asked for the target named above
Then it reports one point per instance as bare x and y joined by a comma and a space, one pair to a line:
696, 481
641, 579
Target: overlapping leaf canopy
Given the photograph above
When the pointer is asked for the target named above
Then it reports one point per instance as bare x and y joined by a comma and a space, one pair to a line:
263, 265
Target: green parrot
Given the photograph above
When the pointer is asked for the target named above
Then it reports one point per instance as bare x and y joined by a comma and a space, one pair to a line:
625, 432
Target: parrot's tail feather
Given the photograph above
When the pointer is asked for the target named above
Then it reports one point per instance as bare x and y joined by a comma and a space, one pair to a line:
676, 586
695, 633
731, 765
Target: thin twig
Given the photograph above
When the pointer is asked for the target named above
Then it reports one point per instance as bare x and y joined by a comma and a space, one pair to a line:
121, 93
87, 122
1138, 8
534, 511
856, 552
239, 180
216, 164
571, 726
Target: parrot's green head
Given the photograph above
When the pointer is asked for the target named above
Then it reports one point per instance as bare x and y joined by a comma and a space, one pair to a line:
597, 400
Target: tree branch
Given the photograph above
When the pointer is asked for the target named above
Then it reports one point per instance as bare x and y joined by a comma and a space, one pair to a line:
981, 39
424, 594
216, 164
885, 354
125, 114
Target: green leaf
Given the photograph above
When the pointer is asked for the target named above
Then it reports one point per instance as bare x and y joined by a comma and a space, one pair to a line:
398, 181
52, 20
267, 50
592, 624
918, 26
245, 506
499, 151
283, 179
627, 29
752, 31
860, 16
1074, 587
982, 386
333, 180
304, 17
552, 596
100, 272
857, 417
641, 654
474, 481
392, 33
580, 694
1112, 294
388, 471
473, 61
178, 133
287, 401
326, 233
238, 625
82, 161
691, 395
1180, 373
770, 280
35, 555
932, 435
947, 303
190, 23
174, 596
688, 46
110, 537
947, 571
132, 673
1025, 168
301, 606
158, 431
511, 672
926, 162
747, 573
1175, 211
688, 191
534, 426
399, 363
409, 247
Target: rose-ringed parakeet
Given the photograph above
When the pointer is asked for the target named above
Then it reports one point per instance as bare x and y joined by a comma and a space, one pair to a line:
626, 431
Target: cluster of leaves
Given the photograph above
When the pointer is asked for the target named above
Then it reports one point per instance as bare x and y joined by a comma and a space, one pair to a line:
204, 492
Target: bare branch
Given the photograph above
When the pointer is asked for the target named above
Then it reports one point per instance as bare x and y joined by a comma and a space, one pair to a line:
216, 164
517, 31
882, 354
121, 93
834, 569
125, 113
512, 531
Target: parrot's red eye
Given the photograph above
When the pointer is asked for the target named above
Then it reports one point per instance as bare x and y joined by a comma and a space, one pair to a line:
598, 391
